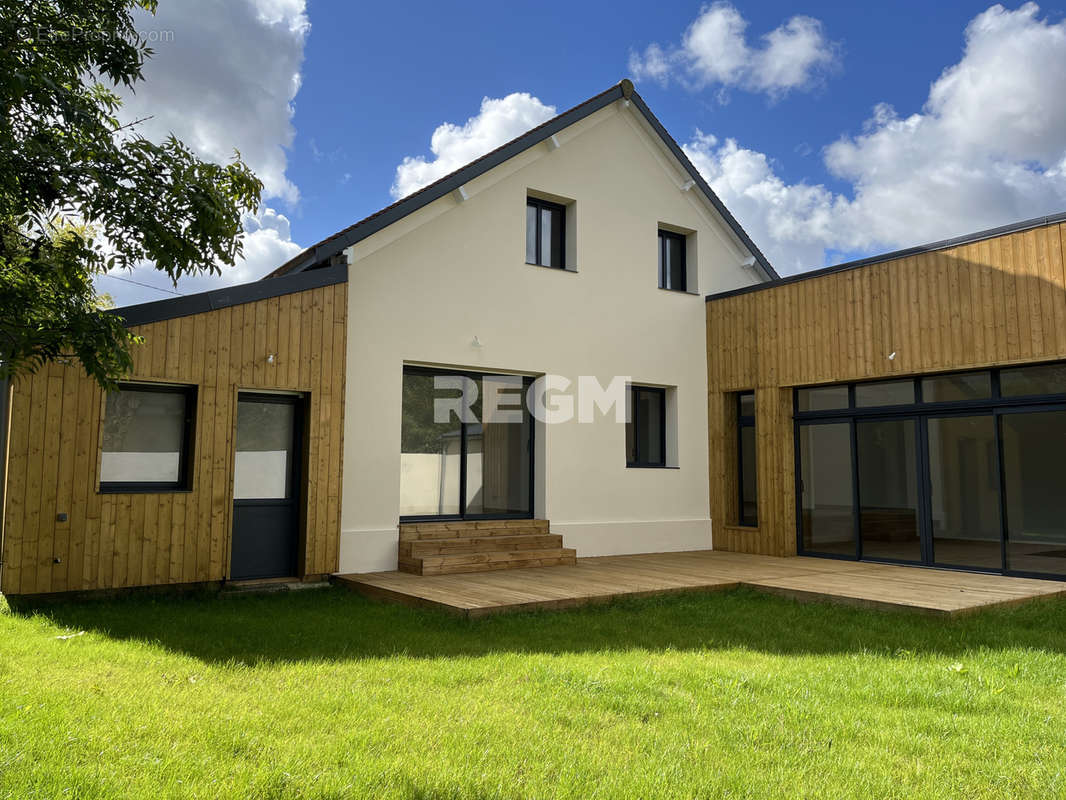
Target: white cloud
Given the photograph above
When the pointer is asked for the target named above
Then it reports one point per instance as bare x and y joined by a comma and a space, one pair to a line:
453, 146
988, 147
794, 57
714, 51
223, 76
792, 224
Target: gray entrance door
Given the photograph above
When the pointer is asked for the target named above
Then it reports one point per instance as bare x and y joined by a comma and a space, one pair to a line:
266, 487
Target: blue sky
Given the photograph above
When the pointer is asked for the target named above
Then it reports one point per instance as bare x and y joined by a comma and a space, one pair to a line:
369, 97
830, 130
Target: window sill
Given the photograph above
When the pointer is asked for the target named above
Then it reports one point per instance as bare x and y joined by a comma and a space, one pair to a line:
651, 466
741, 528
679, 291
554, 269
128, 489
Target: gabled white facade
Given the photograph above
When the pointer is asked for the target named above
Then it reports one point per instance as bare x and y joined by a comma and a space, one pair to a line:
421, 290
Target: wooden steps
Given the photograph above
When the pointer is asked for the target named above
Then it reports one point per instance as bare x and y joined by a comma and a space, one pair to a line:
445, 548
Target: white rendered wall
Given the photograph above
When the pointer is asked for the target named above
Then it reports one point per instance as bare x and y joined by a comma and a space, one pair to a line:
422, 289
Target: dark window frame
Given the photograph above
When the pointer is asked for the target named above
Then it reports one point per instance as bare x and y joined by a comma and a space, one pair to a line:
463, 516
665, 236
745, 421
539, 204
635, 420
186, 457
920, 405
295, 485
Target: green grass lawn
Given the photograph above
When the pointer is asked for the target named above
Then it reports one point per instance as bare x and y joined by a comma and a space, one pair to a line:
324, 694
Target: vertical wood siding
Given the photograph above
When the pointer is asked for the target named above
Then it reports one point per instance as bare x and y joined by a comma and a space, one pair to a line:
121, 540
993, 302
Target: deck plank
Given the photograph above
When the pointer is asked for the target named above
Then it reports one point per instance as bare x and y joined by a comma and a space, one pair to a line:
604, 578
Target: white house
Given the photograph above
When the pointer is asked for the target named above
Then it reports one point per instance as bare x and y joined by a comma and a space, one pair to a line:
450, 278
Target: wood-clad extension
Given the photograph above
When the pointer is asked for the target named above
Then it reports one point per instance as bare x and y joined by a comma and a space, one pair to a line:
995, 301
111, 541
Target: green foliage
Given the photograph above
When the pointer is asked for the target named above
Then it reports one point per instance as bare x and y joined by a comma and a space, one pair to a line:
51, 311
419, 433
66, 160
321, 694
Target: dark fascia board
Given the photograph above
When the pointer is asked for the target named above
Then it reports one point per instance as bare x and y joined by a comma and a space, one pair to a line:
621, 91
944, 244
160, 310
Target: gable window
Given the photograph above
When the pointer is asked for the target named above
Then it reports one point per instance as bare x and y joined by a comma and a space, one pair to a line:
673, 271
545, 233
646, 428
747, 495
147, 438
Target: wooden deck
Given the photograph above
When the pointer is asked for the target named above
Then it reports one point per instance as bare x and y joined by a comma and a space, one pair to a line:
597, 580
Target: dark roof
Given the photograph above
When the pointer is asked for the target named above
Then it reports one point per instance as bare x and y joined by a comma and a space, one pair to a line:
943, 244
160, 310
310, 258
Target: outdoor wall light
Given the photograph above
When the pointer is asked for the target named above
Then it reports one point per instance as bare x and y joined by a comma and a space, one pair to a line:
476, 342
270, 358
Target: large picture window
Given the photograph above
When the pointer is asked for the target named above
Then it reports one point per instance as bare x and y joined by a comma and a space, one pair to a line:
147, 438
466, 446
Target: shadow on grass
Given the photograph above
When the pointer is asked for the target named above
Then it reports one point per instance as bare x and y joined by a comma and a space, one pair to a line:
337, 625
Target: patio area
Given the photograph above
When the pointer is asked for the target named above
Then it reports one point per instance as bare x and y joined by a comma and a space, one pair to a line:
602, 579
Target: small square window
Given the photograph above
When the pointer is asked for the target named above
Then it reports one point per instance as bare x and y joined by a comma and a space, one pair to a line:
147, 438
545, 233
673, 269
646, 428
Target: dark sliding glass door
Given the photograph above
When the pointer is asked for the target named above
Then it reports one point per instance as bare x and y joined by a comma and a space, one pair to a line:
466, 449
827, 513
964, 520
960, 470
889, 526
1034, 490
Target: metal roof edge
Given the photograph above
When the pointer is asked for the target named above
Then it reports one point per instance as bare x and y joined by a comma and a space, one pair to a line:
160, 310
